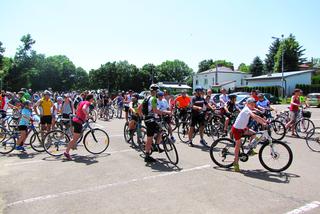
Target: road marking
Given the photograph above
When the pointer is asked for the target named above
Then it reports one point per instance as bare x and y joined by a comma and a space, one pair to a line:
37, 161
101, 187
305, 208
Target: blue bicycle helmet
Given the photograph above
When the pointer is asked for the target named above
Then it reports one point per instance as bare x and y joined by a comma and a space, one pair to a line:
198, 88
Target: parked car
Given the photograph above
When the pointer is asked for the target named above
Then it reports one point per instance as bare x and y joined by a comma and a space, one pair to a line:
313, 99
271, 98
144, 94
241, 99
216, 98
240, 93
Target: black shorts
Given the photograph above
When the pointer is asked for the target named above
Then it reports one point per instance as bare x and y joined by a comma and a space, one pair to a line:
3, 114
197, 119
135, 118
23, 128
77, 127
167, 119
152, 128
46, 120
126, 108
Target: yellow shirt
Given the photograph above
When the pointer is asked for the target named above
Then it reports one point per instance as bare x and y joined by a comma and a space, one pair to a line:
46, 107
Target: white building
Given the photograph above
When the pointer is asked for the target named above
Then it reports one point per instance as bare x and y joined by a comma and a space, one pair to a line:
291, 79
220, 77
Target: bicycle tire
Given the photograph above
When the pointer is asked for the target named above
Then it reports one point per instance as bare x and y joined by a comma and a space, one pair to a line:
126, 132
36, 143
183, 132
302, 131
220, 149
136, 139
55, 142
313, 139
276, 156
170, 150
104, 143
279, 128
7, 144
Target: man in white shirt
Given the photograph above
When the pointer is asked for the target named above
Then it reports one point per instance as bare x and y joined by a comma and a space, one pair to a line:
163, 105
223, 97
240, 128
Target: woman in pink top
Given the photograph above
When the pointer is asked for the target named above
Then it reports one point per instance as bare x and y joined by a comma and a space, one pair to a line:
82, 114
294, 110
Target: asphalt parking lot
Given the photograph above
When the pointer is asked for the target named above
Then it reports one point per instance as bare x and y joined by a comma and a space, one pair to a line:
119, 181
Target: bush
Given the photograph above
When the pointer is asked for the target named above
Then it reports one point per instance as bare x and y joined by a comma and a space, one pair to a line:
274, 90
314, 88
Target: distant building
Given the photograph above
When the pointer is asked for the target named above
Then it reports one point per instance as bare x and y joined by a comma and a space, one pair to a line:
291, 79
220, 77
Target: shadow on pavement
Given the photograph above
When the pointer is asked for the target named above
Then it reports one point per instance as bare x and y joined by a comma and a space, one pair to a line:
23, 155
203, 148
86, 159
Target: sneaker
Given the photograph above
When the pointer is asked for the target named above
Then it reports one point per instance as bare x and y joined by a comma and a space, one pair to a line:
67, 155
204, 143
20, 148
236, 167
149, 159
252, 152
190, 143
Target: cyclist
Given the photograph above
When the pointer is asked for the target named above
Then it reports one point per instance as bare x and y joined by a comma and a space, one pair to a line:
183, 102
151, 113
134, 112
58, 110
254, 95
229, 109
240, 128
263, 105
24, 122
67, 107
119, 100
294, 109
223, 98
162, 105
198, 104
46, 105
127, 100
82, 115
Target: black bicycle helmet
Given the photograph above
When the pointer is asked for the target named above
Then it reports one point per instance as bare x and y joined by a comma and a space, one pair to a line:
154, 87
136, 95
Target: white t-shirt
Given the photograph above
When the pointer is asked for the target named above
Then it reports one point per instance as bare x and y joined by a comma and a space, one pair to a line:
243, 118
223, 99
162, 105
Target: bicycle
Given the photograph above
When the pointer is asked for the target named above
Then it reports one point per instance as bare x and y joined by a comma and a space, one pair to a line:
137, 136
95, 141
165, 145
222, 151
313, 139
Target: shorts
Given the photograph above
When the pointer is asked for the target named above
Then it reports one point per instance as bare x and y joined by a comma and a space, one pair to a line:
293, 115
237, 133
45, 120
135, 118
23, 128
77, 127
167, 119
152, 128
197, 119
126, 108
3, 114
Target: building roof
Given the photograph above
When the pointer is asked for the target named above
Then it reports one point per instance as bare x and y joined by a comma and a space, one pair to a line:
278, 75
174, 85
221, 69
223, 83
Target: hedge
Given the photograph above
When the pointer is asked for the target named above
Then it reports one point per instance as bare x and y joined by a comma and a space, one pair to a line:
315, 88
274, 90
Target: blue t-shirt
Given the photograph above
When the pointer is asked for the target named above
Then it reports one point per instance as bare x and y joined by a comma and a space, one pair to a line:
264, 103
24, 121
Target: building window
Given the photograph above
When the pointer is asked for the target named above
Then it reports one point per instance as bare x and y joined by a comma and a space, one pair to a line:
205, 81
197, 82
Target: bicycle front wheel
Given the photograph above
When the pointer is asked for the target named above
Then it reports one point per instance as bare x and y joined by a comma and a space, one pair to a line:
36, 141
303, 126
278, 130
313, 139
7, 144
276, 156
96, 141
126, 132
183, 131
222, 152
139, 136
56, 142
170, 150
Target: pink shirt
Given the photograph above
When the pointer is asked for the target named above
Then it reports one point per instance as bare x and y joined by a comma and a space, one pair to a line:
80, 115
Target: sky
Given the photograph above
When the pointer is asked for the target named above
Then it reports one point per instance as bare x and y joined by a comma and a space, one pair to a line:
94, 32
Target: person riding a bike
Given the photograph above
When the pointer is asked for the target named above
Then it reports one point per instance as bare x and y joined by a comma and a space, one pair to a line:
183, 103
134, 112
162, 105
294, 110
198, 105
230, 108
24, 122
82, 115
240, 128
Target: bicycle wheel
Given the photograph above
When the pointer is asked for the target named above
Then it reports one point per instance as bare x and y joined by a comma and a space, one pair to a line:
303, 126
13, 124
222, 152
183, 131
36, 142
278, 130
96, 141
211, 134
170, 150
56, 142
276, 156
139, 136
7, 144
313, 139
126, 132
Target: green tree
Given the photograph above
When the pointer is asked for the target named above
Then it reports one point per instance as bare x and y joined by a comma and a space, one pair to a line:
2, 50
222, 62
292, 54
205, 65
270, 56
256, 68
173, 71
149, 70
244, 68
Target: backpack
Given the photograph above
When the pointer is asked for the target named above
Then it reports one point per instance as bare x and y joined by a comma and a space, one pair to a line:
145, 103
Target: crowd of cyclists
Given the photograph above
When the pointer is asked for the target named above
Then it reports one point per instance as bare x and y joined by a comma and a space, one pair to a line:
193, 112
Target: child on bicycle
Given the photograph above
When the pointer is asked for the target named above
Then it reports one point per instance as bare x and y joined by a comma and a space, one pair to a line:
135, 114
229, 109
240, 128
24, 122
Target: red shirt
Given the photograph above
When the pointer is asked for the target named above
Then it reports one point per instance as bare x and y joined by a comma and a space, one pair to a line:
80, 115
296, 101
